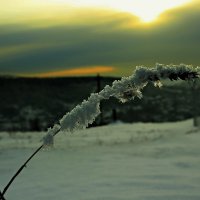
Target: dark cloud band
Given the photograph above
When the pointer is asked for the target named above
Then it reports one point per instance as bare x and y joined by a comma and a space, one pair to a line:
38, 50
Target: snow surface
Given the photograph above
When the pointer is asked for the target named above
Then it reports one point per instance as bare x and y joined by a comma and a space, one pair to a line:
116, 162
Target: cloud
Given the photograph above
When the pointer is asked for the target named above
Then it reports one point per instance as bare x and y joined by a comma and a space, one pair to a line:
102, 39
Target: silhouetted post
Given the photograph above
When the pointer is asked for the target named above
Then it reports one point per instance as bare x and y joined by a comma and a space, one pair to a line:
196, 120
34, 124
98, 83
98, 90
114, 114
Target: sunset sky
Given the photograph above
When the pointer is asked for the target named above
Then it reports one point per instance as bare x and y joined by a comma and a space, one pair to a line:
52, 38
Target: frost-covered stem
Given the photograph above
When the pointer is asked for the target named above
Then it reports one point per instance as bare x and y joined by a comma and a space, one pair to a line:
22, 167
125, 89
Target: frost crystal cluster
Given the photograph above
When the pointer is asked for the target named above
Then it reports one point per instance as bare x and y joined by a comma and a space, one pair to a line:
125, 89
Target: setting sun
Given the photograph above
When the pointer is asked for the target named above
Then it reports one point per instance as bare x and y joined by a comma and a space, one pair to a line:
48, 38
146, 10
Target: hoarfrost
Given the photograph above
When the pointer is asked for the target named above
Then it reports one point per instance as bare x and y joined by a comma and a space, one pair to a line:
125, 90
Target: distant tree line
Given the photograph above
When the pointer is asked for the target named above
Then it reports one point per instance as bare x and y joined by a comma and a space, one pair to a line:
31, 104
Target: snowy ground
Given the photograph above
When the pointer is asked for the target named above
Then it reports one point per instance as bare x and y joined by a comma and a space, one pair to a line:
115, 162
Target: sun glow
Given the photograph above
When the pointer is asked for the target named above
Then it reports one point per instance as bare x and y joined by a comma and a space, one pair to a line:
73, 72
146, 10
46, 12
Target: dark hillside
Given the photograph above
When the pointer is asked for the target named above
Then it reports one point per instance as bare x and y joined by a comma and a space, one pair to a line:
35, 104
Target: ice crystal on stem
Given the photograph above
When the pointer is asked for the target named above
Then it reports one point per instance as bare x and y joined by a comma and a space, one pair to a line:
125, 90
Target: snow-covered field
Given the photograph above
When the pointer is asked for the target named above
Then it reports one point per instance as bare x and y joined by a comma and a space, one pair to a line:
116, 162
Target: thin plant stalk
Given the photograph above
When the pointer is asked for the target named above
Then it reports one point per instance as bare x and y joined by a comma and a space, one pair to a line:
126, 89
1, 196
21, 168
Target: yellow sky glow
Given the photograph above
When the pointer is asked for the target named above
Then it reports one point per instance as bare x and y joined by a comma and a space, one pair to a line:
74, 72
146, 10
57, 38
